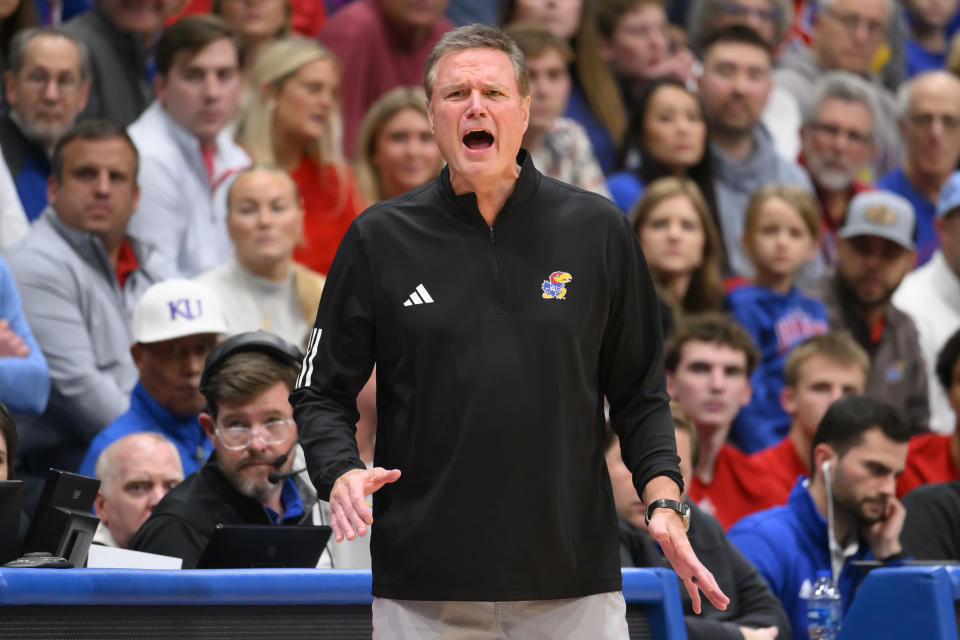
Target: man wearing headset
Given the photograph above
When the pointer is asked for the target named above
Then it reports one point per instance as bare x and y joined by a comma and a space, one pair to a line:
846, 511
246, 381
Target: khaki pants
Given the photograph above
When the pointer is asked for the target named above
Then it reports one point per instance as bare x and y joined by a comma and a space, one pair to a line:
601, 617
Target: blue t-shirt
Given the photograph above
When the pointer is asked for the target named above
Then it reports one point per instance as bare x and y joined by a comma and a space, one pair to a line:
777, 323
146, 414
625, 188
920, 59
927, 241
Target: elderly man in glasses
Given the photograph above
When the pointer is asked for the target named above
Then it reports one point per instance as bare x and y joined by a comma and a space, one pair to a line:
246, 381
46, 87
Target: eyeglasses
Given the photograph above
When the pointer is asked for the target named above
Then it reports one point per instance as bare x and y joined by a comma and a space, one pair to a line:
39, 81
925, 120
739, 11
833, 131
851, 21
236, 435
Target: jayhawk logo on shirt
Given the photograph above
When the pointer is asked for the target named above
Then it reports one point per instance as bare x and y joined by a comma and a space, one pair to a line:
554, 287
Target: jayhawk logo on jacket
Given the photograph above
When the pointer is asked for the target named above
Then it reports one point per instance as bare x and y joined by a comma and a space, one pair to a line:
554, 286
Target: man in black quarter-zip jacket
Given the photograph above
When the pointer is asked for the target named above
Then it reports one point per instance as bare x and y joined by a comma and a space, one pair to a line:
501, 307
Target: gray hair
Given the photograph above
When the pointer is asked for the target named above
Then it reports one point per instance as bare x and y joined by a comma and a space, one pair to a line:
476, 36
905, 91
18, 47
840, 85
106, 468
704, 13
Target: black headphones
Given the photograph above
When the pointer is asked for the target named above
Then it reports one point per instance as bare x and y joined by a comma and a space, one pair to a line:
262, 341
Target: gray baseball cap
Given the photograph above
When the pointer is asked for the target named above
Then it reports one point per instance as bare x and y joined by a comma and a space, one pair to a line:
883, 214
949, 195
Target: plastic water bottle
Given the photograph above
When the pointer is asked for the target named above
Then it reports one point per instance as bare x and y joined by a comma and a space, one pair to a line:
824, 609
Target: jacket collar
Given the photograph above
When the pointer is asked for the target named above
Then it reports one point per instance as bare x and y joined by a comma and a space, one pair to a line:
813, 525
11, 122
86, 245
250, 509
466, 203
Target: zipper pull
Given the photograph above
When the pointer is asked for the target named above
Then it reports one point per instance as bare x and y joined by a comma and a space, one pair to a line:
492, 238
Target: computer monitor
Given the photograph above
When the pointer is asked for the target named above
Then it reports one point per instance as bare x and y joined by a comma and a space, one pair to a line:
11, 501
242, 546
63, 525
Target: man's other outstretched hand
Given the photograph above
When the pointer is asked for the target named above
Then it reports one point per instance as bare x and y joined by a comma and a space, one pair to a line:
667, 529
350, 515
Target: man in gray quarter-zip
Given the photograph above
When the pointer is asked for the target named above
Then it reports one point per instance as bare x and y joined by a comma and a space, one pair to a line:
76, 270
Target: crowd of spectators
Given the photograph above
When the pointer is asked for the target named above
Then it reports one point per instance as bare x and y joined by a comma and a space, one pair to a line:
178, 172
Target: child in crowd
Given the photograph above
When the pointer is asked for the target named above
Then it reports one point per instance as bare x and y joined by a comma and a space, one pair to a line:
781, 234
927, 46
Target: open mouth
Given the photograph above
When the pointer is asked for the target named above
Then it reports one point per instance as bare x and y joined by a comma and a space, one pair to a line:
478, 139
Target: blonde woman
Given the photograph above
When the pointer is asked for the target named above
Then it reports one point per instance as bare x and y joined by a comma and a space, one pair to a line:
292, 119
396, 151
681, 244
261, 286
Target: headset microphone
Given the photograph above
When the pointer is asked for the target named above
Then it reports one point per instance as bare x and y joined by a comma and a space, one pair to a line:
283, 458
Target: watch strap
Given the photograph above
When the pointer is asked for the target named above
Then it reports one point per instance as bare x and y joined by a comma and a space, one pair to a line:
682, 509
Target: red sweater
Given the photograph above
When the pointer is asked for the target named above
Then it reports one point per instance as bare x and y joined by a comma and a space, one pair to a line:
330, 203
779, 465
928, 460
743, 484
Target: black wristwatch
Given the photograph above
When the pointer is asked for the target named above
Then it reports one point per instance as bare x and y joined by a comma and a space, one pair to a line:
682, 509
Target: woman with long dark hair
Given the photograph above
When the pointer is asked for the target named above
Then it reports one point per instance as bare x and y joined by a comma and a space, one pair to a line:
667, 136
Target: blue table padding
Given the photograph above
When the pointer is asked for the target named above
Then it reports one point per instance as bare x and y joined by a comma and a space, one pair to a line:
184, 587
905, 602
655, 589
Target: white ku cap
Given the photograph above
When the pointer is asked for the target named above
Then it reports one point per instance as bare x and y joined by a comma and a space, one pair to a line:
176, 308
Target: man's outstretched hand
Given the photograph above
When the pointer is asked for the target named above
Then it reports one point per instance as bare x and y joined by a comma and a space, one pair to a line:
667, 529
350, 514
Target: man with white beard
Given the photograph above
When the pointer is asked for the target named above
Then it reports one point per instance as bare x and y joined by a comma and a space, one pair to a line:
837, 146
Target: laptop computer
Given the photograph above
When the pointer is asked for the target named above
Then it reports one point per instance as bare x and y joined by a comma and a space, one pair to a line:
240, 546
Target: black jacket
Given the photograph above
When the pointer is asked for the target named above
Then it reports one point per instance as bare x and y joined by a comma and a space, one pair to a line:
489, 393
931, 530
752, 604
183, 521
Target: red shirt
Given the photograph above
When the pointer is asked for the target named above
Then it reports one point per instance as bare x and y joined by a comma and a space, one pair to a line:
126, 263
740, 486
779, 465
306, 19
928, 460
330, 203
